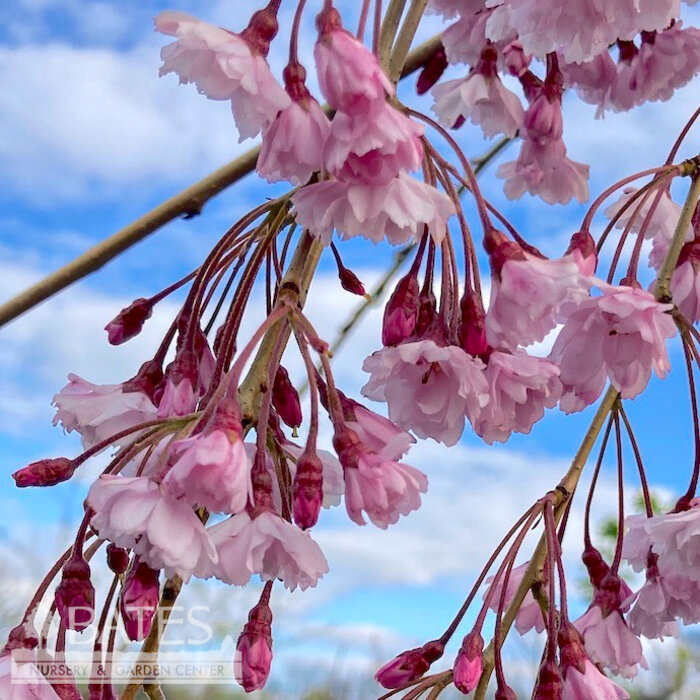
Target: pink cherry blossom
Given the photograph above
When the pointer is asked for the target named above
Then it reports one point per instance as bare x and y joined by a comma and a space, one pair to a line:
529, 615
21, 679
292, 146
268, 546
224, 66
609, 642
349, 75
465, 39
652, 614
521, 386
179, 398
428, 388
450, 8
620, 335
547, 172
377, 432
590, 683
382, 488
397, 211
484, 100
136, 513
373, 150
211, 471
578, 30
594, 80
98, 411
665, 61
527, 293
685, 282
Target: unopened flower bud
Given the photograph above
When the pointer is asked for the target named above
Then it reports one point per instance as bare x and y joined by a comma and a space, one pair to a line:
432, 70
117, 558
139, 600
23, 636
308, 490
253, 657
549, 682
45, 472
515, 59
469, 663
410, 665
401, 311
543, 119
129, 321
350, 282
582, 249
472, 330
285, 399
505, 692
75, 595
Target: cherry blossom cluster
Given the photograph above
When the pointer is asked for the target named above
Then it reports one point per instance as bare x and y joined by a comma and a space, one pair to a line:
207, 476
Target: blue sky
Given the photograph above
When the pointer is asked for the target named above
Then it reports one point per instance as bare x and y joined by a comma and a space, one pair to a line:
90, 138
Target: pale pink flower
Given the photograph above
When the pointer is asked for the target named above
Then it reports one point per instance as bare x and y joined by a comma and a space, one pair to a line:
21, 678
520, 388
484, 100
450, 8
179, 398
465, 39
578, 30
98, 411
652, 614
224, 66
663, 221
377, 432
620, 335
268, 546
333, 479
529, 615
292, 145
136, 513
685, 282
428, 388
380, 487
547, 172
590, 684
212, 471
373, 150
665, 61
527, 293
397, 211
594, 80
609, 642
349, 75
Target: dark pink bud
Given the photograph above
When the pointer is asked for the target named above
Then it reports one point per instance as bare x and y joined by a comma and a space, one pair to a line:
117, 558
472, 330
401, 311
432, 70
409, 666
45, 472
427, 313
66, 689
501, 249
129, 321
139, 600
505, 692
690, 252
595, 565
571, 649
469, 663
253, 659
75, 595
549, 682
350, 282
285, 399
308, 490
23, 636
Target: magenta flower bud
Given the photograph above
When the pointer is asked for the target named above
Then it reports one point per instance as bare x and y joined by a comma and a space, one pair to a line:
253, 658
432, 70
117, 558
401, 311
285, 399
549, 682
139, 600
101, 690
23, 636
409, 666
129, 321
543, 119
505, 692
595, 565
350, 282
45, 472
75, 595
308, 490
469, 663
472, 330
